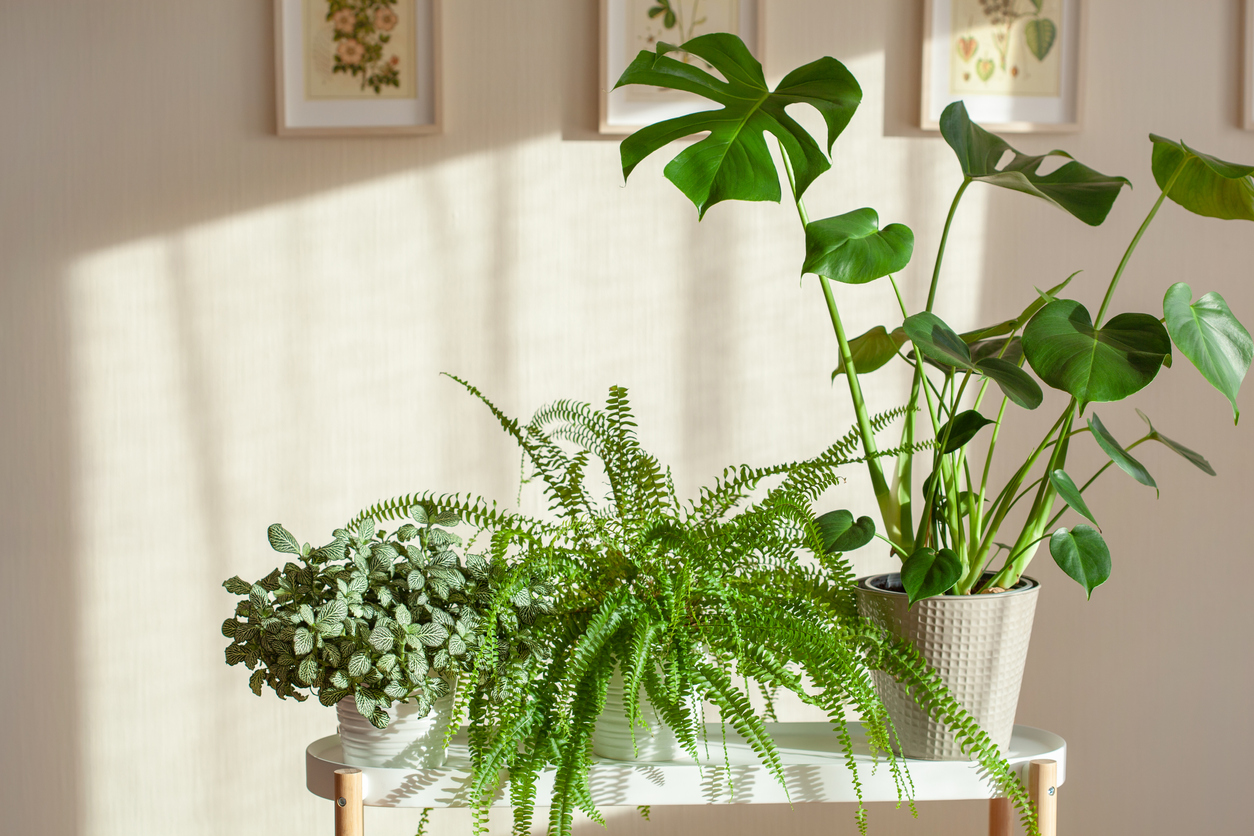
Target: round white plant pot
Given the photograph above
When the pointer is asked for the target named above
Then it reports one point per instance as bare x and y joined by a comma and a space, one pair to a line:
977, 644
612, 737
412, 739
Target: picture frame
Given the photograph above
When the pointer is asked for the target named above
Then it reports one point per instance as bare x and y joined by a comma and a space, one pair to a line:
1018, 73
357, 67
627, 26
1247, 78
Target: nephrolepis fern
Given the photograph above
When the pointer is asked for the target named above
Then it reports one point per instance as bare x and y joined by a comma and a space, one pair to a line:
708, 601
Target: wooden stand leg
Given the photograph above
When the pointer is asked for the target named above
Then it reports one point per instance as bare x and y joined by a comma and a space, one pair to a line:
1042, 786
348, 805
1000, 816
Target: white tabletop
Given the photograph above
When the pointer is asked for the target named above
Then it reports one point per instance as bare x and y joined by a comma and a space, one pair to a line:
814, 767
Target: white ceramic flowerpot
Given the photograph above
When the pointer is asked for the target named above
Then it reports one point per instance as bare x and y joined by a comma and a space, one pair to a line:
612, 737
412, 739
978, 645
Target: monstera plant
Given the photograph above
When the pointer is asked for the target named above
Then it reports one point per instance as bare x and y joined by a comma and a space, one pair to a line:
946, 526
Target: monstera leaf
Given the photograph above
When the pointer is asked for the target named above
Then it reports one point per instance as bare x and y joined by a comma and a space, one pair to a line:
1083, 555
1073, 187
872, 350
734, 162
1208, 334
1094, 364
1206, 185
929, 572
851, 248
937, 341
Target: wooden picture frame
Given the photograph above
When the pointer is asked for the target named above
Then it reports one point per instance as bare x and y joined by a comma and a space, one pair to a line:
1025, 75
1247, 79
368, 68
627, 26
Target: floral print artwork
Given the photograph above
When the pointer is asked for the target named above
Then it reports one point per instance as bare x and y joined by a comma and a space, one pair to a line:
1006, 47
359, 49
673, 22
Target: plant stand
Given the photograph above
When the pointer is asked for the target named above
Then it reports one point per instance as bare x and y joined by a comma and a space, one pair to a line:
814, 768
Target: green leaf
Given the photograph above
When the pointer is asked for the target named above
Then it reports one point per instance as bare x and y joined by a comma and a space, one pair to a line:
1206, 185
456, 645
448, 519
963, 429
937, 340
1075, 188
381, 638
734, 162
872, 350
971, 338
307, 614
1195, 458
852, 249
331, 613
257, 680
1015, 383
235, 654
1040, 35
841, 533
1118, 455
1211, 337
1083, 555
308, 670
229, 628
237, 586
419, 514
365, 703
281, 540
303, 641
929, 572
1070, 494
1094, 365
429, 634
358, 665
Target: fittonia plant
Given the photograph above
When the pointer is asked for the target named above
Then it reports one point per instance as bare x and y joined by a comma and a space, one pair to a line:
384, 618
946, 529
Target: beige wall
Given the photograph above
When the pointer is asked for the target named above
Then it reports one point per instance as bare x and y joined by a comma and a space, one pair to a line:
206, 329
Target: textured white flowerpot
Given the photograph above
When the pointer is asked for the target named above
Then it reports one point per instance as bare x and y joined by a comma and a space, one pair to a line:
978, 645
612, 736
412, 739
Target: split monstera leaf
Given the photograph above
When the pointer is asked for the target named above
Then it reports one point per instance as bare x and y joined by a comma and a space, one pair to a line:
1055, 341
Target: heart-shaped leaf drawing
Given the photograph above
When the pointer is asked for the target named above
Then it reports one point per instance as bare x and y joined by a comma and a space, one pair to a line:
984, 68
733, 162
1094, 364
1040, 34
967, 47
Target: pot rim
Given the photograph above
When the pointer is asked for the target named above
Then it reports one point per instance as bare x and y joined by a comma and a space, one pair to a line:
1026, 585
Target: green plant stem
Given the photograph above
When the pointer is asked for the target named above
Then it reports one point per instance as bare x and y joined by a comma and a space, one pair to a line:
903, 470
1041, 506
1136, 239
883, 496
940, 252
1003, 502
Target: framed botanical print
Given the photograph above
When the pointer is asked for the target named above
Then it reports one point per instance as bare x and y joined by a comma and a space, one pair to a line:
357, 67
1016, 64
629, 26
